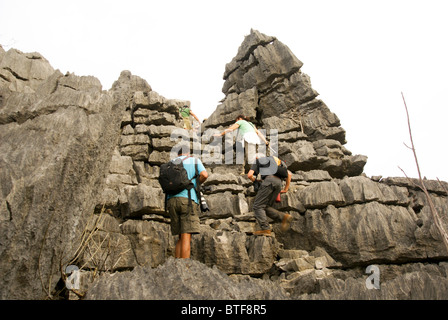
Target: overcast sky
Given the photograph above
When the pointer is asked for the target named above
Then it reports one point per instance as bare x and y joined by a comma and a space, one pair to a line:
360, 56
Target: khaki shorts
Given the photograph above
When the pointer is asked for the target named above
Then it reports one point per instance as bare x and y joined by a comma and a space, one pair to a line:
182, 220
187, 124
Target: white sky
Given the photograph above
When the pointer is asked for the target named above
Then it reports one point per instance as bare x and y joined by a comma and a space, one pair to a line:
359, 54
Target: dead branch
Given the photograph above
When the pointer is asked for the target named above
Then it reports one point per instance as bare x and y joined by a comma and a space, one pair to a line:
87, 236
98, 247
435, 215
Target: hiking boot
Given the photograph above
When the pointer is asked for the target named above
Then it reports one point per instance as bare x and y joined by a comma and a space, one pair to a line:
266, 233
286, 222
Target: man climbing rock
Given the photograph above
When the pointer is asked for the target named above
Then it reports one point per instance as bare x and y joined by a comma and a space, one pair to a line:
185, 112
248, 137
183, 207
272, 171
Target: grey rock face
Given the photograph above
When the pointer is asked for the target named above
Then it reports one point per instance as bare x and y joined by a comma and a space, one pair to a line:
416, 281
79, 169
182, 279
57, 136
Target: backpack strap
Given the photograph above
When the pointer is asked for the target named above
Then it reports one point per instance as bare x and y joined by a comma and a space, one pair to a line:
166, 201
188, 190
197, 175
196, 189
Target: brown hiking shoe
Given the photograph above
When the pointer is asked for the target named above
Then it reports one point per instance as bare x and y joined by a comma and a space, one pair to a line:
266, 233
286, 222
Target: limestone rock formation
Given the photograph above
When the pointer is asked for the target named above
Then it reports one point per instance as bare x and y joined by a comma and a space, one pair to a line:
192, 282
79, 169
56, 137
264, 82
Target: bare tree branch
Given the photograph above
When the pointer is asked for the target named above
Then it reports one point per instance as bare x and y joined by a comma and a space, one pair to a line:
435, 215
